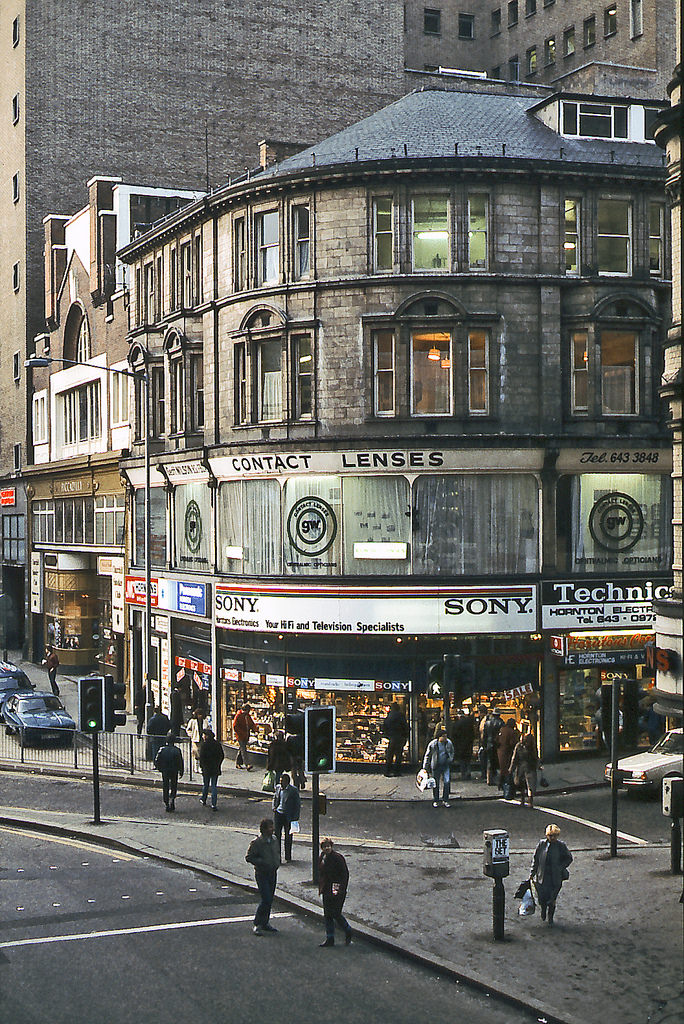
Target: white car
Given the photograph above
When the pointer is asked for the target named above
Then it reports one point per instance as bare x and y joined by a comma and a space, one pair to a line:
646, 771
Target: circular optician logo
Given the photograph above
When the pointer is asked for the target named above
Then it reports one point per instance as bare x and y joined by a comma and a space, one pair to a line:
311, 526
616, 522
193, 526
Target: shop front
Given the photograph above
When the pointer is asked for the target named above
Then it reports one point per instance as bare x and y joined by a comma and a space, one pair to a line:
597, 632
361, 648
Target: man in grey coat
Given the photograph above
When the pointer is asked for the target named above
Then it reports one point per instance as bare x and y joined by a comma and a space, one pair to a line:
438, 759
264, 854
287, 805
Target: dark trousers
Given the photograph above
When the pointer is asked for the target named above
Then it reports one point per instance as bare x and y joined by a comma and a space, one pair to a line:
52, 676
280, 824
332, 912
169, 787
266, 884
395, 749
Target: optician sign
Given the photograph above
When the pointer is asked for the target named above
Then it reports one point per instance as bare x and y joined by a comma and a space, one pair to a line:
376, 610
573, 604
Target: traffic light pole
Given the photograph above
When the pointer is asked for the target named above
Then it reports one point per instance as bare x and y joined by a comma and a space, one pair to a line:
315, 826
614, 729
96, 779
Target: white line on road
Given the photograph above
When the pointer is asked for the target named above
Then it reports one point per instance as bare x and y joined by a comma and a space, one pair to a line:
589, 824
80, 844
42, 940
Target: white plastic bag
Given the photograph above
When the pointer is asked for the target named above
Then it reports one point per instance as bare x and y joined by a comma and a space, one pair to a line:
527, 904
294, 826
424, 781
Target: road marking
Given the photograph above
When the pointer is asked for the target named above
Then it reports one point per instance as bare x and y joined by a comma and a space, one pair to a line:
114, 932
589, 824
91, 847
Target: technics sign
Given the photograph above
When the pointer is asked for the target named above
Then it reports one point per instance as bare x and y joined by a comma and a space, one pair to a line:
172, 595
376, 610
573, 604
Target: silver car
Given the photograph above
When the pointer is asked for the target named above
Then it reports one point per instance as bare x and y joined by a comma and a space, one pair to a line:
646, 771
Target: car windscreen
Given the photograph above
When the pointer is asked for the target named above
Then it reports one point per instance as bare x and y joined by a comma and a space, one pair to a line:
39, 704
672, 743
17, 681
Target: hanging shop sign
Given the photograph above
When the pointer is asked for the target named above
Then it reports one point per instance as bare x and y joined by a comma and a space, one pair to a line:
587, 649
173, 595
572, 604
8, 497
376, 611
518, 691
351, 685
36, 582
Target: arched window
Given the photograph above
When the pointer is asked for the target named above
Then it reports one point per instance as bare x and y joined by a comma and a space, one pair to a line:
83, 345
77, 338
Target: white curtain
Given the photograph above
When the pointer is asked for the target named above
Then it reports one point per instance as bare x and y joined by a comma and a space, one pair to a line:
376, 511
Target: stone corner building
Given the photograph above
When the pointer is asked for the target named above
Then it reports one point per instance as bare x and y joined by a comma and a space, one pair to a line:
405, 404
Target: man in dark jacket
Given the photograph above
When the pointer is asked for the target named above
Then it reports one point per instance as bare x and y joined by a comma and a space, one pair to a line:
169, 761
462, 735
287, 805
177, 718
490, 734
210, 760
158, 727
279, 757
264, 854
333, 880
395, 728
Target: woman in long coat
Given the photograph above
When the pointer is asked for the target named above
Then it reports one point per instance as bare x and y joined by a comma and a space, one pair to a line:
549, 870
506, 741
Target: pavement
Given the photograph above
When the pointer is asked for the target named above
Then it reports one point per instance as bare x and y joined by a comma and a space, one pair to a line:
614, 953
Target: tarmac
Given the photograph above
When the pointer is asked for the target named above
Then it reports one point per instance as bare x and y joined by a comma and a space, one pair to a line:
614, 954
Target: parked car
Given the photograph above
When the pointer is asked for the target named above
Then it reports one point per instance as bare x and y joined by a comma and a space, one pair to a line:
38, 717
646, 771
12, 679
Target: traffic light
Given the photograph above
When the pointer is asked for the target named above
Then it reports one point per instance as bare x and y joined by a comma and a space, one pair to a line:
91, 704
114, 704
435, 678
294, 729
319, 740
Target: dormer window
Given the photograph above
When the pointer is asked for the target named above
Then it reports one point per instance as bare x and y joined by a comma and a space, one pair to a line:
595, 120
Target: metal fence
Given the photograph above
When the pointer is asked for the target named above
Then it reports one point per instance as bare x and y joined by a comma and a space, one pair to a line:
121, 751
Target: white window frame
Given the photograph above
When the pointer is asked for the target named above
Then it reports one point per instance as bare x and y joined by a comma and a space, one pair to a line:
390, 371
264, 249
478, 369
450, 355
40, 433
83, 341
471, 265
579, 337
636, 385
119, 399
177, 394
377, 233
568, 235
660, 237
301, 243
628, 236
431, 270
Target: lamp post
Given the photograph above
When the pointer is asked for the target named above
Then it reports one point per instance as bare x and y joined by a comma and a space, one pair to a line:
34, 362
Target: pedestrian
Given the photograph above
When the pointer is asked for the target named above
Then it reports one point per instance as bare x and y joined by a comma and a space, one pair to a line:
524, 767
490, 732
287, 805
506, 741
481, 752
210, 759
264, 855
169, 761
194, 730
437, 762
243, 727
279, 757
333, 881
177, 719
139, 707
51, 664
462, 735
549, 870
157, 728
395, 728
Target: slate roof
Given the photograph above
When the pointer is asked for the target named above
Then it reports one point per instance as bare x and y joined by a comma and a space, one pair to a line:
427, 124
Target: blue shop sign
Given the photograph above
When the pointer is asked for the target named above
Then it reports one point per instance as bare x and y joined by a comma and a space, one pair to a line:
192, 598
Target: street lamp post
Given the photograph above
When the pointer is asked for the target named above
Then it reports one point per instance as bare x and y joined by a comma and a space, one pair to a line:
34, 362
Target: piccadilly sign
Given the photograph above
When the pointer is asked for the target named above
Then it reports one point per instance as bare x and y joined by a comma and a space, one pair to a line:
375, 611
572, 604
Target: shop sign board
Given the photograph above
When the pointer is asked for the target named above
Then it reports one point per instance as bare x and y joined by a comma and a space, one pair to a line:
36, 582
8, 497
351, 685
573, 604
615, 460
377, 611
584, 659
171, 595
118, 604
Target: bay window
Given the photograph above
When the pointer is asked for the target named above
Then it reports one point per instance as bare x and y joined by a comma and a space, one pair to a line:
579, 370
431, 391
614, 240
383, 373
478, 372
303, 375
571, 237
302, 242
267, 247
431, 235
619, 373
478, 215
383, 239
269, 379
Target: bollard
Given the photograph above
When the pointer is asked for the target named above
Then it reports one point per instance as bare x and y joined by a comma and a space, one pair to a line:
675, 847
673, 808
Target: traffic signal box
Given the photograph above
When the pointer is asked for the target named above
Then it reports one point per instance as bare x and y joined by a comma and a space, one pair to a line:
319, 740
435, 678
91, 704
114, 704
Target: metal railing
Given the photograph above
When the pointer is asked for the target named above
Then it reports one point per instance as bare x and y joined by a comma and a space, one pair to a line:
122, 751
